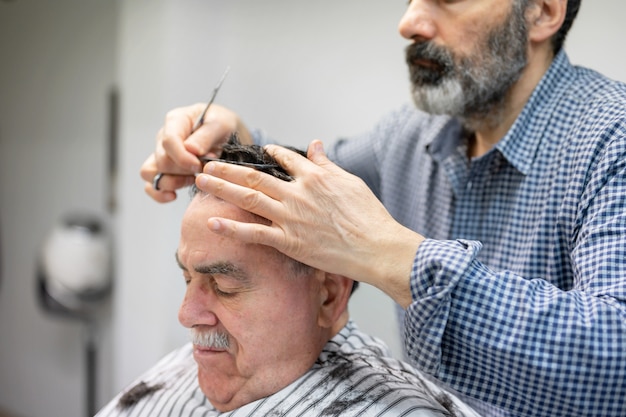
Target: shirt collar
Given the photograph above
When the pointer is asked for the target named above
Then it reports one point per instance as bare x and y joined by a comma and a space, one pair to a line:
521, 143
519, 146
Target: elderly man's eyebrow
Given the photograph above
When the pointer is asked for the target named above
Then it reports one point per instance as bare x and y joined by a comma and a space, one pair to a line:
223, 268
218, 268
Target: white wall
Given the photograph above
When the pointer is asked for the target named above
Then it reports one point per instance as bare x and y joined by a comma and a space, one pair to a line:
596, 40
57, 65
299, 69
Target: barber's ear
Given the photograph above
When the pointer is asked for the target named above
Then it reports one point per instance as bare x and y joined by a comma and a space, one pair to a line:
545, 18
335, 293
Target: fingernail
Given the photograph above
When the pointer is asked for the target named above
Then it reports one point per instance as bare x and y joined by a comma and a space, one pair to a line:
214, 225
318, 147
202, 180
209, 167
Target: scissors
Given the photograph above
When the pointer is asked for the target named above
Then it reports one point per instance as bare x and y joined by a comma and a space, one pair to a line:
200, 119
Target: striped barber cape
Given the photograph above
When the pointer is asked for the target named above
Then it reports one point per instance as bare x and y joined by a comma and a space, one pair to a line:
353, 376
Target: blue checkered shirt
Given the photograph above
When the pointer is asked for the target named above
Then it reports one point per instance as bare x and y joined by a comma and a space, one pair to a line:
519, 293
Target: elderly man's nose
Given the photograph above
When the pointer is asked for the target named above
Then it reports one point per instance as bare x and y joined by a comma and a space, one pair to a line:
418, 22
197, 307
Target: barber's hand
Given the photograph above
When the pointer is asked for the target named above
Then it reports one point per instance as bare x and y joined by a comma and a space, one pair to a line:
326, 218
177, 149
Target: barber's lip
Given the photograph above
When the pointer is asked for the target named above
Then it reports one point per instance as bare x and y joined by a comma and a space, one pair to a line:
426, 63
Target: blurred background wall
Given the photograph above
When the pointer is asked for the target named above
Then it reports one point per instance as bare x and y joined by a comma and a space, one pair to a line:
299, 69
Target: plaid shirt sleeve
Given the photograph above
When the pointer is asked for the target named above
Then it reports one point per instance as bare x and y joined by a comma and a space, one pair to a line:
521, 345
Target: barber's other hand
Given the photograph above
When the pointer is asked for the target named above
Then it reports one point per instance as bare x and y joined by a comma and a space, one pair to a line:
177, 149
326, 218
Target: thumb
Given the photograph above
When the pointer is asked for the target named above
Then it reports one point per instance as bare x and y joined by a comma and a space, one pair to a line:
316, 153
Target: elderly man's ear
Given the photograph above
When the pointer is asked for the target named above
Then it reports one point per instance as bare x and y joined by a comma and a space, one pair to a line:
545, 18
334, 295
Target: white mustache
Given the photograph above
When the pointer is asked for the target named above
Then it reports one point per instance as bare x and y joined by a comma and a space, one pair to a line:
209, 339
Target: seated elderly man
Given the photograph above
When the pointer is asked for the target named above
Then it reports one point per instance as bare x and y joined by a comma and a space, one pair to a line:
270, 336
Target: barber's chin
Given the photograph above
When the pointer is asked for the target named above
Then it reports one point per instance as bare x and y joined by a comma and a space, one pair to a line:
445, 98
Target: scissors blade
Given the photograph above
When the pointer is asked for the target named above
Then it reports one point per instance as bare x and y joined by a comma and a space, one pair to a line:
200, 118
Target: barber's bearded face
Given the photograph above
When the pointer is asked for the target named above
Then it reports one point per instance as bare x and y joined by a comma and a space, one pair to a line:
471, 86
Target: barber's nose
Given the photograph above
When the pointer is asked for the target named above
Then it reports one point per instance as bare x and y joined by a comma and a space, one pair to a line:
197, 307
418, 22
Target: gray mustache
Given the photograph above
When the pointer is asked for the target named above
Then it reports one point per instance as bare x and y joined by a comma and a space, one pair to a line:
441, 60
209, 339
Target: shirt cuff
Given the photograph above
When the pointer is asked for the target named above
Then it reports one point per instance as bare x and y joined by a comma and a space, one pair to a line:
437, 269
439, 264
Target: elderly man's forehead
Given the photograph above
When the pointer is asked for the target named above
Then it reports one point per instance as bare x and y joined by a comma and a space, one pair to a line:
211, 203
204, 205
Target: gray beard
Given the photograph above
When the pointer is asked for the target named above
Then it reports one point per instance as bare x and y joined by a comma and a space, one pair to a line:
445, 98
473, 90
477, 100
